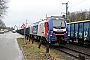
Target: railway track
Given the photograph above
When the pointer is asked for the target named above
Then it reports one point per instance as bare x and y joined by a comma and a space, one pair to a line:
73, 53
68, 53
85, 46
77, 51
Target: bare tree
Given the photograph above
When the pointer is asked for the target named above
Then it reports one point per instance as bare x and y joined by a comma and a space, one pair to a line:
2, 24
3, 10
89, 15
72, 16
3, 7
79, 15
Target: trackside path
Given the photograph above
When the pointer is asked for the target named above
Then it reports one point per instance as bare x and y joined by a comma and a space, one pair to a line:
9, 49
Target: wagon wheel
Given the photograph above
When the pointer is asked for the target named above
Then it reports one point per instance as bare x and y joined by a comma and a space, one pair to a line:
86, 42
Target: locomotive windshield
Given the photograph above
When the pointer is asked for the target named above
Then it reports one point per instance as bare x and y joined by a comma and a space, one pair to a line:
58, 23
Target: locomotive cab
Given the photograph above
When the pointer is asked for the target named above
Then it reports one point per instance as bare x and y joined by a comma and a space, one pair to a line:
57, 30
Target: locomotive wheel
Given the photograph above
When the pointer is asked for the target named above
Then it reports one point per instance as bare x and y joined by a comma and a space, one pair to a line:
32, 40
29, 39
59, 41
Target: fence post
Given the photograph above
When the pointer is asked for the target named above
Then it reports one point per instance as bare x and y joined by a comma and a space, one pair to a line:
40, 43
81, 57
47, 47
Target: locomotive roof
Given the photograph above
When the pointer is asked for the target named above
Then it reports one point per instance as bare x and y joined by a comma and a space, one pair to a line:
56, 18
79, 21
34, 24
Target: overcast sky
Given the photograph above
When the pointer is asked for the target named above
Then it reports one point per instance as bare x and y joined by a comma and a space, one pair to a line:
34, 10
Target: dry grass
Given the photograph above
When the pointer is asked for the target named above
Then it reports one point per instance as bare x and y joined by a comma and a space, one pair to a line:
32, 52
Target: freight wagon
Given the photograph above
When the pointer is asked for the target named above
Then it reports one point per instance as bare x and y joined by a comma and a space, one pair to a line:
21, 31
79, 31
26, 31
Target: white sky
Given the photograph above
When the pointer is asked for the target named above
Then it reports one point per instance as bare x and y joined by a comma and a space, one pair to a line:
34, 10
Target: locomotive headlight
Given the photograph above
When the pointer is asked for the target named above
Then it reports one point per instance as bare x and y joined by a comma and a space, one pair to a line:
50, 35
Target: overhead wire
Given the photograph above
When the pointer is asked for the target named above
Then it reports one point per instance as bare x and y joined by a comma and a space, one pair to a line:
69, 6
78, 3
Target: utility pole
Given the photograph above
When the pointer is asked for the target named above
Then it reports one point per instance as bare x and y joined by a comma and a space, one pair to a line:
24, 32
66, 10
46, 15
26, 23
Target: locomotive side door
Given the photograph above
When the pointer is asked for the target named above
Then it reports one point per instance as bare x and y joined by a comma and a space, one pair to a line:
46, 29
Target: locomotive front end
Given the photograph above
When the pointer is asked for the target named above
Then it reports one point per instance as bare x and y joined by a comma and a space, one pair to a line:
59, 31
